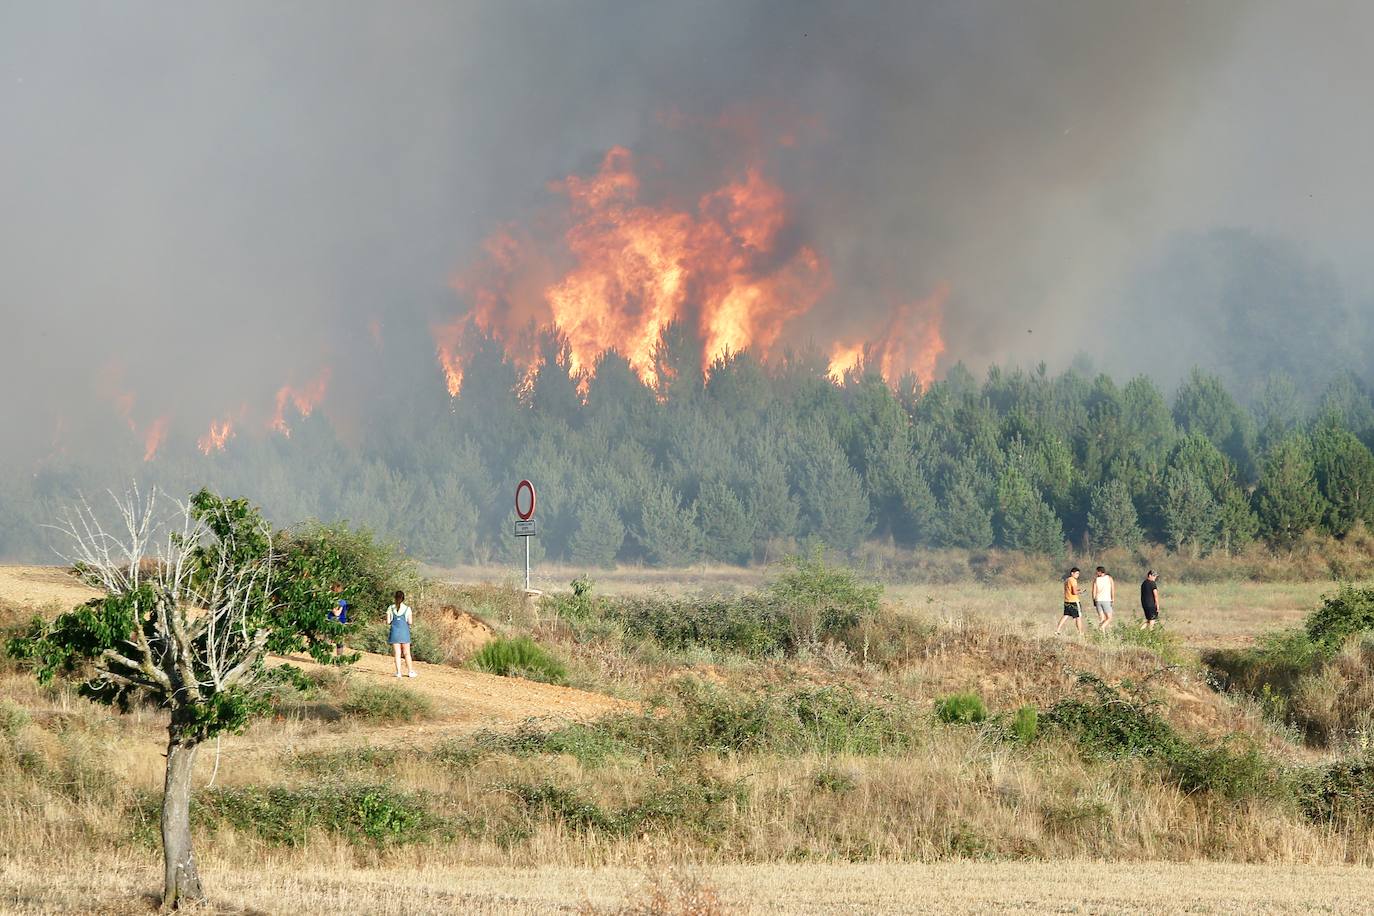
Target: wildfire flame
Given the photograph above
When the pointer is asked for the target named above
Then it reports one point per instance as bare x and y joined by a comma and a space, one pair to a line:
304, 399
221, 431
725, 268
152, 439
911, 342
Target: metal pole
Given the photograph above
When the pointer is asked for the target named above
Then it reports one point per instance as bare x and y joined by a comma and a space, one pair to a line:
527, 562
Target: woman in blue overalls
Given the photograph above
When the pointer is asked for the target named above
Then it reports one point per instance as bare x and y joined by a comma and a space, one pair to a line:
398, 619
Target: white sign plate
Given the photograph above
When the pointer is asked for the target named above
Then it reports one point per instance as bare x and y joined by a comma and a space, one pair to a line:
525, 528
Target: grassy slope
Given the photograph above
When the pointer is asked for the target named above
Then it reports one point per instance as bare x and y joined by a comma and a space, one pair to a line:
954, 793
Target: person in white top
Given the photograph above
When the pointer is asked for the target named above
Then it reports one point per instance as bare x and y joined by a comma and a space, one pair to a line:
398, 619
1104, 593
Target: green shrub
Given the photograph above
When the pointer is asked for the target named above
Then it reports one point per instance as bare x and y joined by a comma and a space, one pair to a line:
1111, 723
520, 657
368, 569
386, 704
285, 815
697, 718
1348, 612
961, 709
1025, 724
1338, 792
675, 801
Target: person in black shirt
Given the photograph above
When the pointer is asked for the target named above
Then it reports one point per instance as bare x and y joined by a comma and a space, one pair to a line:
1149, 600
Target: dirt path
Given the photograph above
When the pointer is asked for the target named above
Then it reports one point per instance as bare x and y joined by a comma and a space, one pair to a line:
463, 701
37, 587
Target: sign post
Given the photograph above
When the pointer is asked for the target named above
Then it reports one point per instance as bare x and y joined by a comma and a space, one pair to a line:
525, 526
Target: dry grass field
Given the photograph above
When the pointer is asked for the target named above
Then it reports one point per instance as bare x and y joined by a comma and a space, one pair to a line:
485, 814
119, 886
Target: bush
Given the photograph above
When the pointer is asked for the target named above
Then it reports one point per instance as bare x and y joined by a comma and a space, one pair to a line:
1341, 616
691, 802
698, 718
961, 709
520, 657
285, 816
1114, 724
386, 704
369, 570
1025, 724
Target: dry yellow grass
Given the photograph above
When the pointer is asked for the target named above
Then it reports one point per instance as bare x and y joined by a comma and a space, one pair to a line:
115, 886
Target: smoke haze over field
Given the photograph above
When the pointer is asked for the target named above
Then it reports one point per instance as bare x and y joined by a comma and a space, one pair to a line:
216, 212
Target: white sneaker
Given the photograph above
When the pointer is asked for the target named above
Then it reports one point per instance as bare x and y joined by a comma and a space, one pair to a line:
398, 674
413, 674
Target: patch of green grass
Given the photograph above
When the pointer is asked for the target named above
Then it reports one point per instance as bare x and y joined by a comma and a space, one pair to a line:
835, 782
520, 657
1025, 724
965, 708
386, 704
1156, 639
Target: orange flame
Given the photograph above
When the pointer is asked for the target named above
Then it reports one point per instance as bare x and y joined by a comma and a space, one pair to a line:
845, 358
221, 431
911, 342
723, 268
304, 399
152, 440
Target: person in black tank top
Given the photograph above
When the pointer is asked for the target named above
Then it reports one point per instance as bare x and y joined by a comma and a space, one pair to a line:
1149, 600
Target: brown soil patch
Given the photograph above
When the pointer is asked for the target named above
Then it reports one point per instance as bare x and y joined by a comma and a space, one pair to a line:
36, 587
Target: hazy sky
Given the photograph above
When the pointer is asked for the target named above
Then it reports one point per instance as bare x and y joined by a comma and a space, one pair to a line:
205, 202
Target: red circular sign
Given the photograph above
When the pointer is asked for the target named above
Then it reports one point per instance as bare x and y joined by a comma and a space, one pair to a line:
524, 500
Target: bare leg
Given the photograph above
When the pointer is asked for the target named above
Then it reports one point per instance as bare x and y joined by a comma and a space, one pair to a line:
1079, 622
410, 666
396, 651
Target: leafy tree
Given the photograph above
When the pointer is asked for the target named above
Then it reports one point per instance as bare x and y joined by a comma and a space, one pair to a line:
1204, 406
600, 532
668, 531
964, 521
726, 526
1024, 520
188, 616
1189, 512
1344, 470
1287, 498
833, 499
1112, 520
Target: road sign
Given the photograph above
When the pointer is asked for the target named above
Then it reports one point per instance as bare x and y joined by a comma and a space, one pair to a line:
524, 500
525, 528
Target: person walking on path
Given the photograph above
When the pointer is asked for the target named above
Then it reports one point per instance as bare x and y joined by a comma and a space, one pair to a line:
1072, 609
1104, 593
1149, 600
399, 617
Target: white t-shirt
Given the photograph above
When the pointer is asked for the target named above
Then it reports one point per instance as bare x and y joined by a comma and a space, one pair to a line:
392, 613
1103, 588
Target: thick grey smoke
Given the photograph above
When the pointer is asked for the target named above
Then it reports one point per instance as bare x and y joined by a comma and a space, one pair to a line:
203, 203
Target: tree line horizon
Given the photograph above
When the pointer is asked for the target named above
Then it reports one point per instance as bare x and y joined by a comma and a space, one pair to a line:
718, 465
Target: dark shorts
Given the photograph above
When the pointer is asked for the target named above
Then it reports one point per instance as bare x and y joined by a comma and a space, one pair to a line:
1070, 610
1152, 613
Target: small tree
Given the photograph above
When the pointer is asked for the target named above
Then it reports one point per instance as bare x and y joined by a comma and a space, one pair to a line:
1287, 497
1024, 520
1189, 512
1112, 520
190, 611
600, 532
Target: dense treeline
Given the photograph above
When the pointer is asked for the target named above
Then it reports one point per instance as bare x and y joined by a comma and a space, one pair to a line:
725, 464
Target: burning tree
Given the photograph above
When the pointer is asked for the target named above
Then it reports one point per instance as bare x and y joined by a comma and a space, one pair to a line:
191, 610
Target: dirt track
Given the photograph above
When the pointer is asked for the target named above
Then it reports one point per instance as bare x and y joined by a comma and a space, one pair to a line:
462, 700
